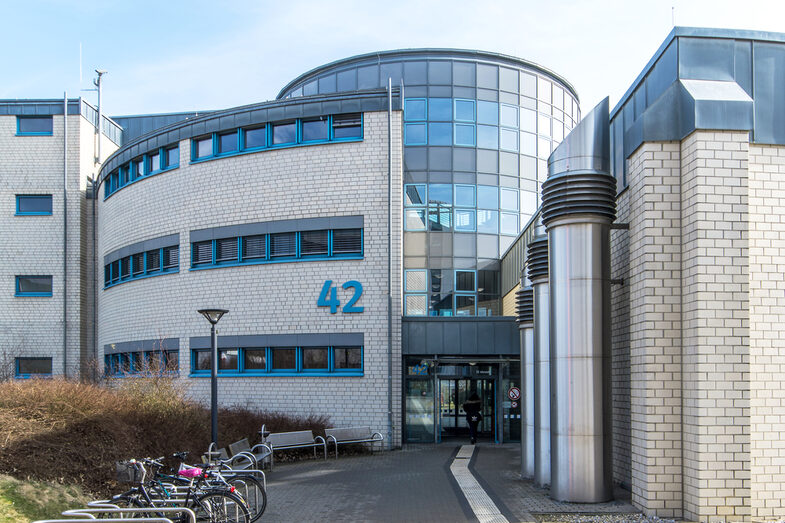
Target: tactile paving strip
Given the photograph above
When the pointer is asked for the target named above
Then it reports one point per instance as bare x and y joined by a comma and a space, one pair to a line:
482, 505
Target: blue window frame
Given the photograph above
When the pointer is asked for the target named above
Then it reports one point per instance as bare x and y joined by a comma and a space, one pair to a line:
414, 219
315, 129
32, 367
465, 281
464, 110
255, 138
154, 162
347, 126
415, 134
34, 286
34, 125
142, 264
465, 305
415, 305
465, 220
147, 363
415, 110
172, 157
284, 133
415, 194
202, 147
228, 143
33, 204
281, 361
464, 135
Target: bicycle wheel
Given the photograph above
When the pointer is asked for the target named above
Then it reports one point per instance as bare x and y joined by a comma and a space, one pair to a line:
221, 507
252, 491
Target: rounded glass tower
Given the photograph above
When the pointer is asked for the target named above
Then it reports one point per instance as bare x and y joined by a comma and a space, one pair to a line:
478, 130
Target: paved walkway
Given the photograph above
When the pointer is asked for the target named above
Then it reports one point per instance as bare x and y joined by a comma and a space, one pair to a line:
421, 483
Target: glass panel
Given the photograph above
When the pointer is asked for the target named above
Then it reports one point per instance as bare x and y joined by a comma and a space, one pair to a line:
138, 168
35, 204
529, 120
204, 147
510, 199
35, 284
528, 144
315, 358
34, 365
255, 359
416, 281
203, 360
487, 137
464, 134
172, 156
487, 197
137, 263
348, 358
464, 195
171, 257
227, 142
464, 110
283, 244
416, 305
464, 281
414, 194
440, 193
509, 116
40, 124
254, 247
313, 242
154, 260
347, 241
226, 249
414, 109
315, 130
543, 148
155, 162
487, 112
414, 134
509, 140
137, 362
420, 411
125, 267
227, 359
440, 109
488, 222
256, 137
440, 134
172, 360
465, 305
347, 126
509, 224
414, 219
543, 125
202, 252
441, 305
440, 218
284, 359
543, 90
284, 133
465, 220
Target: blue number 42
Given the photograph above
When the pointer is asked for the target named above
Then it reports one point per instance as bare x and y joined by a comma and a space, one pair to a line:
332, 300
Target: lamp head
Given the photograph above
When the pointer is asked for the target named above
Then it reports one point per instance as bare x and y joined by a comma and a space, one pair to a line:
212, 315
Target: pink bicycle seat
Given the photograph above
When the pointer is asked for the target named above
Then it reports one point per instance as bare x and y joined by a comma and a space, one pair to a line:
190, 472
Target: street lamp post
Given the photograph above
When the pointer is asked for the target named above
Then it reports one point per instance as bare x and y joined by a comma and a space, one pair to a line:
213, 316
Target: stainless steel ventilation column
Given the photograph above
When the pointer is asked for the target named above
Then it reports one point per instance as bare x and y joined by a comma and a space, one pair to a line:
537, 263
578, 206
524, 301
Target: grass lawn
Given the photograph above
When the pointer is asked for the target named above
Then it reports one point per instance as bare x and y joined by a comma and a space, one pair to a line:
25, 501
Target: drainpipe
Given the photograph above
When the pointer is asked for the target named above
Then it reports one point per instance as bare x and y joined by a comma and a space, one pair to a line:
537, 264
389, 268
578, 207
65, 234
524, 302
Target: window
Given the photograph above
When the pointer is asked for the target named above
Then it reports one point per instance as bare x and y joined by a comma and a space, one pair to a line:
465, 220
171, 258
347, 241
143, 264
509, 224
203, 147
313, 243
464, 110
488, 221
440, 109
440, 133
347, 126
465, 305
464, 134
414, 134
125, 268
227, 143
287, 361
315, 358
510, 199
415, 305
137, 168
255, 137
203, 360
440, 218
226, 250
228, 359
284, 358
202, 252
464, 195
137, 264
283, 244
34, 126
414, 109
255, 359
488, 113
414, 195
33, 285
126, 364
155, 162
465, 281
284, 133
255, 247
153, 261
315, 130
172, 157
33, 367
414, 219
33, 204
440, 193
348, 358
487, 137
416, 280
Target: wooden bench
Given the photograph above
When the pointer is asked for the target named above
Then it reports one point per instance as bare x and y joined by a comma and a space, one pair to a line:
292, 440
352, 435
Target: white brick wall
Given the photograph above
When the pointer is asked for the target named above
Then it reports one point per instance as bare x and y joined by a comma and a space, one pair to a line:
314, 181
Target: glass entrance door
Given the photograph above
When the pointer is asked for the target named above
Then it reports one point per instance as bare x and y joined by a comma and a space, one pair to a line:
420, 411
453, 393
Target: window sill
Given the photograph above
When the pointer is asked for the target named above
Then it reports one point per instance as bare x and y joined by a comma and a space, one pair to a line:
33, 295
33, 214
35, 134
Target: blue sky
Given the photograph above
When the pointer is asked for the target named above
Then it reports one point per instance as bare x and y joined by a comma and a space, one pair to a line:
171, 55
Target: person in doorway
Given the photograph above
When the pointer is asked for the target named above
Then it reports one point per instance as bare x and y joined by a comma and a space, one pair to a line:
472, 408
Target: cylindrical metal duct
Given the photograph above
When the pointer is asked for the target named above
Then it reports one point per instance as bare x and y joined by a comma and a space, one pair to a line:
578, 207
537, 263
524, 303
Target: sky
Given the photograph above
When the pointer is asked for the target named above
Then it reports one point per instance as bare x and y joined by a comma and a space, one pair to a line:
172, 55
